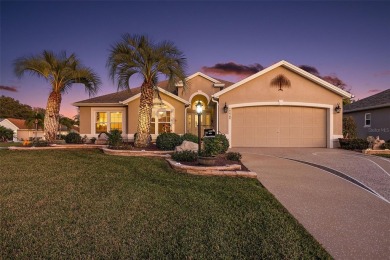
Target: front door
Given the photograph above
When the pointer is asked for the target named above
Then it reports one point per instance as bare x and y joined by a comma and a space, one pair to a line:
192, 122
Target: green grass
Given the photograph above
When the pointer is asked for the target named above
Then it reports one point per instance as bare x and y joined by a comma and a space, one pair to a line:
85, 204
383, 155
6, 144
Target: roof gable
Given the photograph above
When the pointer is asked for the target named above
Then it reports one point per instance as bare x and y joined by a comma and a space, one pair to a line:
381, 99
293, 68
216, 83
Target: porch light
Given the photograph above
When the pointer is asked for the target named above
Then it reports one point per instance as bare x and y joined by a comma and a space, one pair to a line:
337, 108
225, 108
199, 109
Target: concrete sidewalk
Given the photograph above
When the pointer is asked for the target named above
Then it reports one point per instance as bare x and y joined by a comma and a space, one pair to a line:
348, 221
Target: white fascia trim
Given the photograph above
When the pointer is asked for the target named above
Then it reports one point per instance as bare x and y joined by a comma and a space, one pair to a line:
293, 68
329, 115
218, 85
180, 84
97, 104
366, 108
159, 89
10, 123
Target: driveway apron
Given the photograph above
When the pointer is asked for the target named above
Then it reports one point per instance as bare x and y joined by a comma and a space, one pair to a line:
351, 222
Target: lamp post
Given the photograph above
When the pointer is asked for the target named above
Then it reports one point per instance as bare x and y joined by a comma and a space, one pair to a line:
199, 109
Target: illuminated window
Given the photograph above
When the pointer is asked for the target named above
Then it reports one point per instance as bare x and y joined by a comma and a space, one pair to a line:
164, 122
116, 121
101, 122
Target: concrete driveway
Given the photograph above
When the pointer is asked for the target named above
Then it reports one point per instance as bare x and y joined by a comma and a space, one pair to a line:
340, 197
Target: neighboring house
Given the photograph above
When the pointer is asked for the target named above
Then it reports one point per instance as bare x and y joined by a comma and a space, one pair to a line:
371, 115
21, 131
251, 112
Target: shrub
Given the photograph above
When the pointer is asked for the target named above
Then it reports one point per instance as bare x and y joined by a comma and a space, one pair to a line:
233, 156
6, 134
93, 140
386, 145
189, 137
39, 143
185, 156
114, 138
73, 138
216, 145
355, 144
349, 127
168, 141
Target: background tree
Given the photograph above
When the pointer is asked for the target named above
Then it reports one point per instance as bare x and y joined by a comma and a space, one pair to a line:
138, 55
11, 108
61, 71
67, 122
349, 127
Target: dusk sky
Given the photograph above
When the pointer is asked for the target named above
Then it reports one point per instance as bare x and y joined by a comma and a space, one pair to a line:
348, 39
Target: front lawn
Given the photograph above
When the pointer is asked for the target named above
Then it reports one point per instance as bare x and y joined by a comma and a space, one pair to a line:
8, 144
85, 204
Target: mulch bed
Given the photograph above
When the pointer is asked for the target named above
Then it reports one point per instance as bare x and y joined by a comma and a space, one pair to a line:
221, 160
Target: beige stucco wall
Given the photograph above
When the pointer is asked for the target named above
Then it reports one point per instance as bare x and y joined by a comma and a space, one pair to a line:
196, 85
132, 117
85, 120
26, 134
260, 90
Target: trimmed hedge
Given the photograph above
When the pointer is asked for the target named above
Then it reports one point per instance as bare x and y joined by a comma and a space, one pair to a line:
73, 138
168, 141
185, 156
215, 145
233, 156
354, 144
189, 137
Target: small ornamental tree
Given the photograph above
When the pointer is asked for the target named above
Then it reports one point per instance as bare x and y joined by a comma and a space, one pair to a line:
349, 127
6, 134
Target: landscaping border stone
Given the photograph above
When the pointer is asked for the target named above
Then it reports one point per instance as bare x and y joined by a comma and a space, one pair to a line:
370, 151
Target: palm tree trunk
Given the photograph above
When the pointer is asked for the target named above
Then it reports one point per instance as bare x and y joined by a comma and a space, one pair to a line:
144, 115
51, 116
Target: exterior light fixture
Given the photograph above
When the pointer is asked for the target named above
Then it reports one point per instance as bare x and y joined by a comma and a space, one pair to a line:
199, 109
225, 108
337, 108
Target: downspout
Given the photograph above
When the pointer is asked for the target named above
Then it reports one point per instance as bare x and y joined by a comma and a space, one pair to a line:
185, 117
216, 101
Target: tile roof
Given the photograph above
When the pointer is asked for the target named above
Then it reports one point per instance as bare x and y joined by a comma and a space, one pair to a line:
117, 97
381, 99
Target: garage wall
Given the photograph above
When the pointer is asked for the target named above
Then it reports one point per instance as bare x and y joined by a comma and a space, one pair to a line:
301, 90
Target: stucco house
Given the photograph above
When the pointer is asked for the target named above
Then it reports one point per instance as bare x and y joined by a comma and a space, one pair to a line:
21, 131
371, 115
251, 112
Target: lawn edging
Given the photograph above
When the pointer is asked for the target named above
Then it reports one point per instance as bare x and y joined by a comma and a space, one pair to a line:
370, 151
145, 153
233, 170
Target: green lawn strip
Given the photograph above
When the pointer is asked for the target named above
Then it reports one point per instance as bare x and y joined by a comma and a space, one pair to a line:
85, 204
383, 155
6, 144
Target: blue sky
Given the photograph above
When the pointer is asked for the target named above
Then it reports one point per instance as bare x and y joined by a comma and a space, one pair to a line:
347, 39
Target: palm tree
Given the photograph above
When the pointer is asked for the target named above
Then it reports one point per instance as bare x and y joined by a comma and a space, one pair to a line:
137, 54
61, 71
39, 117
280, 81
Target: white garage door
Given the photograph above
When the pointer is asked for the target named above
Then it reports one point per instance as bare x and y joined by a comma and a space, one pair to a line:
278, 126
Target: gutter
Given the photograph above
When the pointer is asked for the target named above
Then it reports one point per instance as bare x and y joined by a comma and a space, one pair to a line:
216, 101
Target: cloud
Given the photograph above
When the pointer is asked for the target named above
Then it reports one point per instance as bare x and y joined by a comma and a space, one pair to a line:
382, 73
310, 69
232, 68
374, 90
7, 88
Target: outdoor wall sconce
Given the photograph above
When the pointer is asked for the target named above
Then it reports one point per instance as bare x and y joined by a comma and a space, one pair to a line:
225, 108
337, 108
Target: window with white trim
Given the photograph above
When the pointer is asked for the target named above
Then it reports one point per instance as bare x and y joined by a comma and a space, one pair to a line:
161, 122
367, 119
107, 121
